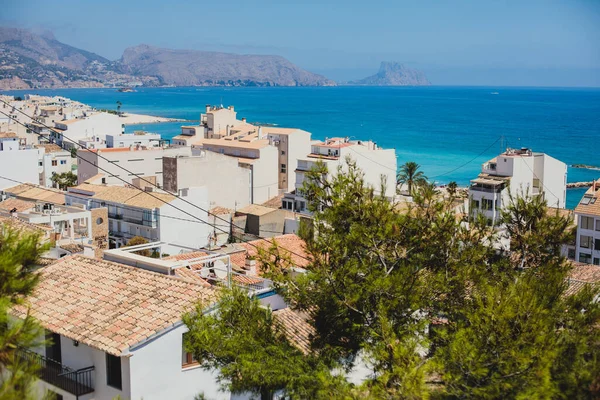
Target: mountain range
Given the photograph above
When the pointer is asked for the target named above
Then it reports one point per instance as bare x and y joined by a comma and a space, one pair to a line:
30, 60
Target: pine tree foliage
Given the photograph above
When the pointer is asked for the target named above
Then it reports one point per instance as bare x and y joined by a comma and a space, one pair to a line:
18, 255
421, 296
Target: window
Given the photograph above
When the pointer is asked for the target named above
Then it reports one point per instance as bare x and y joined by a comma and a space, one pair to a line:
598, 224
54, 163
53, 349
585, 241
487, 204
587, 223
283, 168
40, 163
187, 359
475, 204
571, 254
596, 261
113, 371
63, 162
585, 258
283, 152
597, 244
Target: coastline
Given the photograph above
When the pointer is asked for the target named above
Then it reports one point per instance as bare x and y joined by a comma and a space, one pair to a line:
135, 119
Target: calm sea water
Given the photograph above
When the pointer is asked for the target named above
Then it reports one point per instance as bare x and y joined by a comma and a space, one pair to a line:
449, 131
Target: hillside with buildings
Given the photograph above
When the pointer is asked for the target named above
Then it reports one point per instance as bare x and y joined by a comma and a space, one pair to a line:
29, 60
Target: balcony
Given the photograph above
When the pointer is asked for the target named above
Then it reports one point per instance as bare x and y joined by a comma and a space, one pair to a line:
77, 382
115, 216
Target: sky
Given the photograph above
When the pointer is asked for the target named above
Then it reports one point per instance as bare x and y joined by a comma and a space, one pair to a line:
461, 42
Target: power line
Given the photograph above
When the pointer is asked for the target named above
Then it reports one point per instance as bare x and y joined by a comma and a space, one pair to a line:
468, 162
136, 209
104, 158
145, 180
119, 166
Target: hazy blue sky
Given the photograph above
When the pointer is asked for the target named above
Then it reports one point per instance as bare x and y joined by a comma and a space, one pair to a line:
531, 42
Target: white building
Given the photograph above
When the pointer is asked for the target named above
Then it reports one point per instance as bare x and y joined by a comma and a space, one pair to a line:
272, 171
138, 138
17, 162
145, 162
229, 185
587, 213
53, 160
154, 216
378, 165
517, 173
97, 124
116, 331
214, 124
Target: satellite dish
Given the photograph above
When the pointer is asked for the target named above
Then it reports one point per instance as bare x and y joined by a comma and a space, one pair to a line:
220, 269
204, 272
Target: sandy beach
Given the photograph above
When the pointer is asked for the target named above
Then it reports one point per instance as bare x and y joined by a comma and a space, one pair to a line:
132, 119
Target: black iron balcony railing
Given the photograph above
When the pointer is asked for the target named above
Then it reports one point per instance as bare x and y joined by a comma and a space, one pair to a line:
77, 382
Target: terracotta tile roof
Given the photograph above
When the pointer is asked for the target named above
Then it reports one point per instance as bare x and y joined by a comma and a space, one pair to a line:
296, 328
34, 192
590, 202
274, 202
21, 205
581, 275
109, 306
288, 244
50, 148
72, 247
8, 135
255, 209
125, 195
24, 226
220, 210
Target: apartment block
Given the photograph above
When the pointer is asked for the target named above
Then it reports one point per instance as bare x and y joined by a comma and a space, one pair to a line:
153, 215
138, 138
91, 124
378, 165
215, 123
142, 161
587, 214
517, 172
20, 161
229, 185
53, 160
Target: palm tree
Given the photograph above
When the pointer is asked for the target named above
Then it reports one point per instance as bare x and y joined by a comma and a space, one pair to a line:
409, 174
452, 187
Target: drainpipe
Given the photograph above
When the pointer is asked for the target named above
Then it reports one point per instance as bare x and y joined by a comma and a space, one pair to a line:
251, 184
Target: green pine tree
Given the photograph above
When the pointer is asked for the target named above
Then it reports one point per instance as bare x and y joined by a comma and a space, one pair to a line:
19, 253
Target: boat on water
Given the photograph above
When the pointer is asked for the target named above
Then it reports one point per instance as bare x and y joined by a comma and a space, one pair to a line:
125, 90
494, 93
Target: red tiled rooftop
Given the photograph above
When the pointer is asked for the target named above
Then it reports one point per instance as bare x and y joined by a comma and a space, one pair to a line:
109, 306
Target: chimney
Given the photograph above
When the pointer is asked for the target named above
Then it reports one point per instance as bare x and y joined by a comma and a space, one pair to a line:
250, 266
207, 107
260, 132
243, 119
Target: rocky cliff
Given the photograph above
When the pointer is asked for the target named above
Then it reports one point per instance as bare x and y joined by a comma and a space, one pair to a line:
191, 67
394, 74
29, 60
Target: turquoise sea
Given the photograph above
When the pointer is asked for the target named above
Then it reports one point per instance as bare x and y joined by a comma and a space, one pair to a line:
449, 131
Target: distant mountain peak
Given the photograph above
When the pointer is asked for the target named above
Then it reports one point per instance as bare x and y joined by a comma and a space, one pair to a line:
29, 59
393, 73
